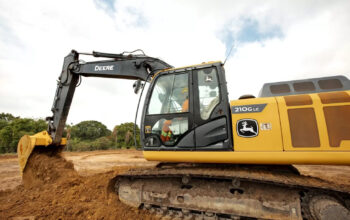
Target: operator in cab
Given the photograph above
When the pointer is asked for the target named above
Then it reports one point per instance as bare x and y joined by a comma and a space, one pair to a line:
167, 133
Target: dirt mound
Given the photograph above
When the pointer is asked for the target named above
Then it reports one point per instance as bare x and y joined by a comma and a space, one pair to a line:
47, 166
52, 189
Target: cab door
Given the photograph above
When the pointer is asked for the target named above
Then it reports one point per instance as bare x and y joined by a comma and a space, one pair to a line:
212, 117
168, 113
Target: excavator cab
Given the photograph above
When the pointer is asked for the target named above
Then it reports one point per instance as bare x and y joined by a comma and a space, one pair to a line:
187, 109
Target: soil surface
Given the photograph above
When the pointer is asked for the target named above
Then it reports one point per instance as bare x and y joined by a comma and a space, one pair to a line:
74, 185
67, 186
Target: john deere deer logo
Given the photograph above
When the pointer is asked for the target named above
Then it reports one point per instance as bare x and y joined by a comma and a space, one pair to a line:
247, 128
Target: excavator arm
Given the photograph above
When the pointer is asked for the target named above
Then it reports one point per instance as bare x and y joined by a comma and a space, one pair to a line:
123, 66
133, 67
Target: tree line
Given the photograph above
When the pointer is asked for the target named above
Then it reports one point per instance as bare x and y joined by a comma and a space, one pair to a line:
84, 136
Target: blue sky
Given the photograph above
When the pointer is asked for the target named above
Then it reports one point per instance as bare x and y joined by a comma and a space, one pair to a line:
249, 32
272, 41
109, 4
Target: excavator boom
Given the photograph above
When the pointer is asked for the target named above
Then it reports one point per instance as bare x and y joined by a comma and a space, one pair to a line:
122, 66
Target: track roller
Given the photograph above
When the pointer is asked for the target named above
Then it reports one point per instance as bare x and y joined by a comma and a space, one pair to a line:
324, 207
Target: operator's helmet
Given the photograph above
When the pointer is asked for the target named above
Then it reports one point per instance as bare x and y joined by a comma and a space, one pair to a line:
167, 122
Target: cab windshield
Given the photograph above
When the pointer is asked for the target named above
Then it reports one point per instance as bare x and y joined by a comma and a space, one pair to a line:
170, 95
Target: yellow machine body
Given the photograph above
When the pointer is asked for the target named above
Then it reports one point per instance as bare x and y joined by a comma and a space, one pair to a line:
27, 144
296, 129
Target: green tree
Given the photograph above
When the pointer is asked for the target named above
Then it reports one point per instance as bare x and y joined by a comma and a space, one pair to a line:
102, 143
15, 129
89, 130
6, 136
123, 135
3, 124
5, 119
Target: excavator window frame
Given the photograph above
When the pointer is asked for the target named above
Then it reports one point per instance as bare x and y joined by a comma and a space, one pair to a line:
152, 119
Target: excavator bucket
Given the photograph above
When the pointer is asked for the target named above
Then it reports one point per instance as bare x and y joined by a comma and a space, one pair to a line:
27, 144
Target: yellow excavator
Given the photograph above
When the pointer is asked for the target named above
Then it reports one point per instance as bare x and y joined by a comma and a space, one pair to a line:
220, 159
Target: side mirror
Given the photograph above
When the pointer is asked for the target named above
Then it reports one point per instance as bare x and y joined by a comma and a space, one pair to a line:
137, 86
247, 96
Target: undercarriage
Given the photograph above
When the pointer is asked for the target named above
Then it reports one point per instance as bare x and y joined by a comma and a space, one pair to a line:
205, 191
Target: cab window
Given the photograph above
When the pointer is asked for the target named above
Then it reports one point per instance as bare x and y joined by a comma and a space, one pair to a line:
169, 131
170, 95
209, 95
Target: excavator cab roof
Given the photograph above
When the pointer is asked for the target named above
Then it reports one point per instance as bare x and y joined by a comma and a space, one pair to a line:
181, 69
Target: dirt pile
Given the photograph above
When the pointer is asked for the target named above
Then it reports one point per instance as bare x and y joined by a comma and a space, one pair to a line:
52, 189
45, 167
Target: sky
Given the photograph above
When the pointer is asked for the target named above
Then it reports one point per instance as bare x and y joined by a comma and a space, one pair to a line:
271, 41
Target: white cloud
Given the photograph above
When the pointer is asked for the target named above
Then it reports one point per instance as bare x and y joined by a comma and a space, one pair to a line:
312, 47
36, 35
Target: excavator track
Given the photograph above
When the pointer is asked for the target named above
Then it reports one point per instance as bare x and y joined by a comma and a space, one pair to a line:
212, 191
